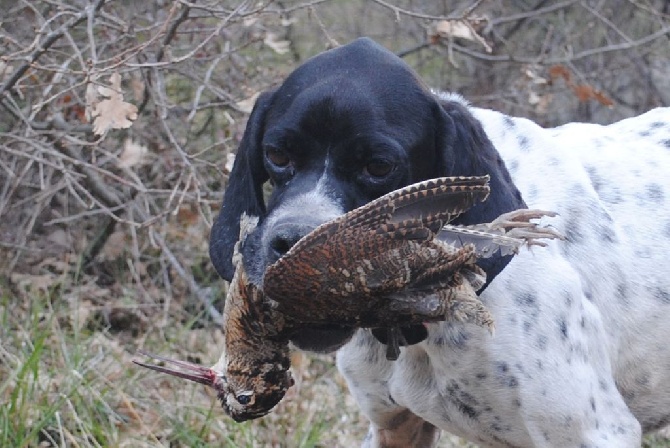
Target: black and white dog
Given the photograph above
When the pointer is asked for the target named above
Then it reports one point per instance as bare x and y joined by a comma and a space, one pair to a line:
581, 352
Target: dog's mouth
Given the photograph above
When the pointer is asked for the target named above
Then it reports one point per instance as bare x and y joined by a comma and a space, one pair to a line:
324, 338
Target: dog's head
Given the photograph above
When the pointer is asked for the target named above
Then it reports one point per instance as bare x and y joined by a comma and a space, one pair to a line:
346, 127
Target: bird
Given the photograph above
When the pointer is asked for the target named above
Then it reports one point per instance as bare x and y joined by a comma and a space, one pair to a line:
252, 374
397, 261
393, 262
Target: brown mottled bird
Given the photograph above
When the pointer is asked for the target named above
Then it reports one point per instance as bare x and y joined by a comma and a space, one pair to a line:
252, 374
390, 263
393, 262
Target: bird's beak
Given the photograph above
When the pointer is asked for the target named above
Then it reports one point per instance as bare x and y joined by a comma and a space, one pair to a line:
183, 369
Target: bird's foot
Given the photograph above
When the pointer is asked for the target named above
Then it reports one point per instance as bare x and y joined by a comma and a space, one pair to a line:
516, 224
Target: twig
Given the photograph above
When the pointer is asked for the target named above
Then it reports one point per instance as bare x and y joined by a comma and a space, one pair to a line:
193, 286
406, 12
332, 43
169, 35
42, 47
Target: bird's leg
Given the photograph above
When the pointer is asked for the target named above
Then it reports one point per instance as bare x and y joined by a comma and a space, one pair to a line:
443, 302
516, 224
433, 264
395, 339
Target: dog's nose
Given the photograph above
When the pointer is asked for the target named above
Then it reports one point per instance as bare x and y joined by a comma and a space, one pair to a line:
283, 237
281, 244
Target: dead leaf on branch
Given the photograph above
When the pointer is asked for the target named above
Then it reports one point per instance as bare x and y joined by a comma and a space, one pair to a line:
113, 112
5, 71
230, 161
583, 92
278, 46
91, 100
132, 154
247, 105
467, 29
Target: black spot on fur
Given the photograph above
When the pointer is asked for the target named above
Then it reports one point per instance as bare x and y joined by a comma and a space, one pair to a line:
527, 326
642, 380
622, 292
607, 234
662, 295
596, 180
465, 402
563, 327
655, 193
524, 144
513, 166
502, 367
526, 299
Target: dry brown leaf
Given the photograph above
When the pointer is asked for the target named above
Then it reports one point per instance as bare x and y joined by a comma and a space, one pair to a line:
137, 86
34, 283
603, 99
248, 104
230, 161
91, 100
132, 154
559, 71
113, 113
115, 245
454, 28
60, 238
6, 71
459, 29
533, 76
278, 46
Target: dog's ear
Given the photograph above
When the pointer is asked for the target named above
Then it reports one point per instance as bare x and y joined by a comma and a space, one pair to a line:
466, 150
244, 193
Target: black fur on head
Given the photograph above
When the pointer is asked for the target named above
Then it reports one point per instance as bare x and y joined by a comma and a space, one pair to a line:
346, 127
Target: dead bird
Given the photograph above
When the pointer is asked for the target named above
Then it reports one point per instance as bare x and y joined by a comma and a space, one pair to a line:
396, 261
252, 375
392, 262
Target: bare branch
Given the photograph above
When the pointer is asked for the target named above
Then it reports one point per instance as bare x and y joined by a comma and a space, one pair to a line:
43, 46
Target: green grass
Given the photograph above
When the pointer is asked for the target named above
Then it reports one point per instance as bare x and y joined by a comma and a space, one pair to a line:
67, 379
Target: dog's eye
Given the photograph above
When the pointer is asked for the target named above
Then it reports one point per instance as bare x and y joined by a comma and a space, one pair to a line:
277, 157
379, 168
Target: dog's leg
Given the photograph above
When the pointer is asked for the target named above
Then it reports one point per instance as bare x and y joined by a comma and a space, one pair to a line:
401, 429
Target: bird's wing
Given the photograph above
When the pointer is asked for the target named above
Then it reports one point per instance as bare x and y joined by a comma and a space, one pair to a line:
485, 243
426, 204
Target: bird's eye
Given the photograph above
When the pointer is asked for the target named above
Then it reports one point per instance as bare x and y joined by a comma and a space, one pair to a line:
243, 399
277, 157
378, 168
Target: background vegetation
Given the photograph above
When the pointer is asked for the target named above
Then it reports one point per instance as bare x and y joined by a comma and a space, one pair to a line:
119, 121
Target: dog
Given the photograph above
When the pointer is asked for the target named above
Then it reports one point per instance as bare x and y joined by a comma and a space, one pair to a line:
580, 356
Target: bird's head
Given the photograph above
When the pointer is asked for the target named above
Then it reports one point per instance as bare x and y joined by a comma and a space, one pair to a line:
244, 394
